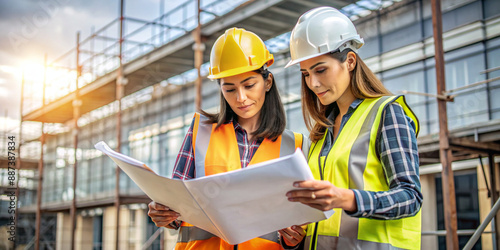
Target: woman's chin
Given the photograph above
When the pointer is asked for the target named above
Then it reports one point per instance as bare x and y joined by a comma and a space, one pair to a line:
325, 102
245, 114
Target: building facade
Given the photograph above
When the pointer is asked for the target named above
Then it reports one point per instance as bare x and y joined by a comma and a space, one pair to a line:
398, 47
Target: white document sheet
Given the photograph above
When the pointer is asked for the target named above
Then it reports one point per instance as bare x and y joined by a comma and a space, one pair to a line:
236, 206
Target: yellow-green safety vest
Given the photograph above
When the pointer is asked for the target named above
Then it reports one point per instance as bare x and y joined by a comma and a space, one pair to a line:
352, 163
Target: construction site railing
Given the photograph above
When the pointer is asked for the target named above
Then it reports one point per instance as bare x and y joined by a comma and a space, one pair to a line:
153, 237
472, 241
99, 54
463, 232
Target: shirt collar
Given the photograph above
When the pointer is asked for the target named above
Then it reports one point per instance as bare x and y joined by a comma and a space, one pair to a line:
239, 129
354, 105
235, 123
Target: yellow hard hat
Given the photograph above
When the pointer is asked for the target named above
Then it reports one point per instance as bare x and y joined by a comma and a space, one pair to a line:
238, 51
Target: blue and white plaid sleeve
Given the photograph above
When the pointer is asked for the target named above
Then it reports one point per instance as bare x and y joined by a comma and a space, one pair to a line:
399, 157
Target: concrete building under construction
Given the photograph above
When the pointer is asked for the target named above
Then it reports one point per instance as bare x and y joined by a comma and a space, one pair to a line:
138, 89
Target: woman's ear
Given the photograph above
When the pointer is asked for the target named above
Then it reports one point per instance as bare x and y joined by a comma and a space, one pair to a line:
269, 82
351, 60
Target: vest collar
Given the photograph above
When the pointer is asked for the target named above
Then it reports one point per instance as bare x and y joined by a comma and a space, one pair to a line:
335, 111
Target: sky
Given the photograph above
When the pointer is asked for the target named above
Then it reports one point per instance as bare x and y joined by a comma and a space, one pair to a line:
29, 29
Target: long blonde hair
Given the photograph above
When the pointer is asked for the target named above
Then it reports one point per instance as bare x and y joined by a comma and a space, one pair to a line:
364, 84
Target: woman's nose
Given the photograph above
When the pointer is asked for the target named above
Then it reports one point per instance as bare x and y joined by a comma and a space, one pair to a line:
241, 96
313, 81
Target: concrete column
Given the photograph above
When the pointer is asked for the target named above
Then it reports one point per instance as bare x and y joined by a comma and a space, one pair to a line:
108, 228
84, 233
429, 211
140, 227
126, 238
63, 231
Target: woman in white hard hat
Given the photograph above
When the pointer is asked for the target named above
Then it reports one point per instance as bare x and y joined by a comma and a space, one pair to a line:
249, 128
364, 150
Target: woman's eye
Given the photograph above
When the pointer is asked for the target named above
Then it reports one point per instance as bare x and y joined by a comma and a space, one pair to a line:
229, 90
250, 86
319, 71
305, 74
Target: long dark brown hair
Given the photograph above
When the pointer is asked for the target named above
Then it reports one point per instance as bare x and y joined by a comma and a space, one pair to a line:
272, 116
364, 84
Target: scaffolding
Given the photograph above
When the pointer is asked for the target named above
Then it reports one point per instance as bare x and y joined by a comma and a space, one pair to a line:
129, 55
116, 61
103, 55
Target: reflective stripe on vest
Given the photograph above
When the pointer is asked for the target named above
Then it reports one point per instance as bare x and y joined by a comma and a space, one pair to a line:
331, 242
189, 233
216, 151
357, 166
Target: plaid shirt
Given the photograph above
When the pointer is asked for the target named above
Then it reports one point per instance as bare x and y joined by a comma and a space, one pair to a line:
184, 165
399, 157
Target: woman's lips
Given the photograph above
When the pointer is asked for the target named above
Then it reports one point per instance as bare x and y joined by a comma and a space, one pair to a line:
245, 108
321, 93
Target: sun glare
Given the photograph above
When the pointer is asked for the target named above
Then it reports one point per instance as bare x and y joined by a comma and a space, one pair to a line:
9, 69
32, 71
59, 81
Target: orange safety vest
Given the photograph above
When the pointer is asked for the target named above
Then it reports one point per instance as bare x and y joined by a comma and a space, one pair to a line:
216, 151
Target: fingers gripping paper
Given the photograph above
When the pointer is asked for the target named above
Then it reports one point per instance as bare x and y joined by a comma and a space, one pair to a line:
236, 206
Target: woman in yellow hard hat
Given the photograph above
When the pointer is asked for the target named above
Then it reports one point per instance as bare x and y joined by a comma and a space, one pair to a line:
364, 153
249, 128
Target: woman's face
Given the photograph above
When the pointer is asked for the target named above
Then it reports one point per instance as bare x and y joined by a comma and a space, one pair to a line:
328, 78
245, 93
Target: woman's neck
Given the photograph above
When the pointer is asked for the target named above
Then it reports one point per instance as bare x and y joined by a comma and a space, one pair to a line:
345, 101
249, 125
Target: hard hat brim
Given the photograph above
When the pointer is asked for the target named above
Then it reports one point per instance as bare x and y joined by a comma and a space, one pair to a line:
233, 72
293, 62
359, 43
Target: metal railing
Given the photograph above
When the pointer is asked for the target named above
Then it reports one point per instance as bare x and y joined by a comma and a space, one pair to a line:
99, 53
472, 241
153, 237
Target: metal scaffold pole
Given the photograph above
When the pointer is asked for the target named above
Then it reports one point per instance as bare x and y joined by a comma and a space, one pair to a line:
40, 166
198, 58
76, 115
449, 203
120, 82
494, 198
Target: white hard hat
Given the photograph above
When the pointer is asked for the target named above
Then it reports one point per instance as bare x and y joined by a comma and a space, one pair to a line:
322, 30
